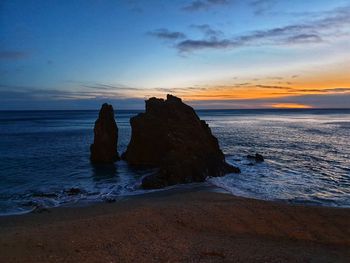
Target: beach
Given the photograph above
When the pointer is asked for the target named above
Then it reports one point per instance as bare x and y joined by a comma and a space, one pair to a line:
179, 226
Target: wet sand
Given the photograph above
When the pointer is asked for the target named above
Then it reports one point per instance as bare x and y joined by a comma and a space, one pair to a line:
184, 226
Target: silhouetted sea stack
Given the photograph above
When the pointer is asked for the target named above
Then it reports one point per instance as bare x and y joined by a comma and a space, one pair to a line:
104, 148
170, 136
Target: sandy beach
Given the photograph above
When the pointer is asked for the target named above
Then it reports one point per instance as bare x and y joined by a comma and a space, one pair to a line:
195, 226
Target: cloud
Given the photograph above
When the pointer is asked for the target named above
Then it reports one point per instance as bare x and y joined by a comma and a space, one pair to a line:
273, 87
12, 100
92, 96
134, 6
102, 86
199, 5
186, 45
261, 6
164, 33
324, 91
315, 101
304, 38
314, 31
12, 55
14, 97
207, 30
189, 45
195, 6
80, 91
246, 91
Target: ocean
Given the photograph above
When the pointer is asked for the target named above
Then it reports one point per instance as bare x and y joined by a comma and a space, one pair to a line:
44, 154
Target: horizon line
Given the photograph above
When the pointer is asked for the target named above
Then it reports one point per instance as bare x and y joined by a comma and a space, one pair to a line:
198, 109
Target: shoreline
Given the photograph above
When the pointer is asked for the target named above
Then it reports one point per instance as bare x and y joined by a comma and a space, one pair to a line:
175, 189
81, 203
93, 203
186, 226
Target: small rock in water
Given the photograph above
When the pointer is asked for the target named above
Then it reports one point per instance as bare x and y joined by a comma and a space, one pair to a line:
73, 191
110, 200
257, 157
45, 195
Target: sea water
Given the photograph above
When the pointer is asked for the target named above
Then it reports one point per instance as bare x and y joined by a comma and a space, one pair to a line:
43, 154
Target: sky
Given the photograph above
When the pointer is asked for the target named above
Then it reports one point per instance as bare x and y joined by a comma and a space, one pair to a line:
214, 54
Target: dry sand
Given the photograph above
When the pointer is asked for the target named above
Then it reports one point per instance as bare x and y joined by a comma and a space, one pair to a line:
179, 227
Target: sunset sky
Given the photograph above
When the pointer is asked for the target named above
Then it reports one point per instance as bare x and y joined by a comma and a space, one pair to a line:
213, 53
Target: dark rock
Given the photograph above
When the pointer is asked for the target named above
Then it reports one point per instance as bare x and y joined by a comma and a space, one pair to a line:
104, 171
232, 169
45, 195
38, 209
170, 136
104, 148
257, 158
30, 203
154, 181
73, 191
109, 200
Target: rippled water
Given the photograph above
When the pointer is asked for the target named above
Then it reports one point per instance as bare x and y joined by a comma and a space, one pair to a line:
307, 155
45, 153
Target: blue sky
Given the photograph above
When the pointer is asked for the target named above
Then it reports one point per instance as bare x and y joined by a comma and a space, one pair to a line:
213, 53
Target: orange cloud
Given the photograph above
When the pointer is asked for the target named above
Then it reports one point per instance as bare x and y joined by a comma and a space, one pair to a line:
330, 80
323, 82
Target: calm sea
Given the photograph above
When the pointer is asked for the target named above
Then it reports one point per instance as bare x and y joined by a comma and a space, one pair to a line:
43, 154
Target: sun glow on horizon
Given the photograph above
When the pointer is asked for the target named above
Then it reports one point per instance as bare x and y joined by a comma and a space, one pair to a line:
290, 106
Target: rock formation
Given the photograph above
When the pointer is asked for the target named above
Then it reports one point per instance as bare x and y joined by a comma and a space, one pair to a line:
257, 157
104, 148
171, 137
